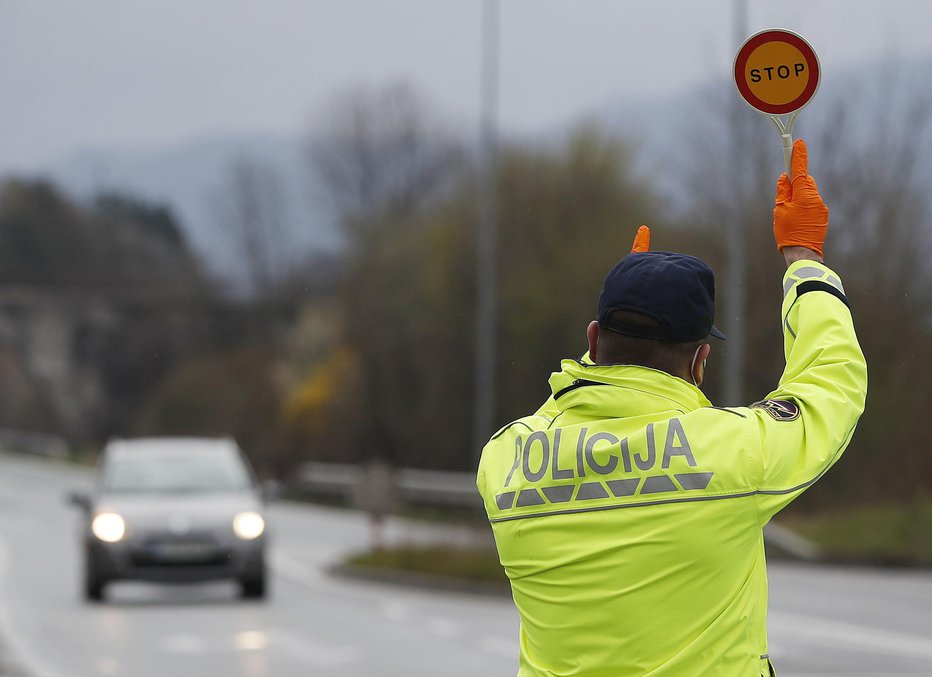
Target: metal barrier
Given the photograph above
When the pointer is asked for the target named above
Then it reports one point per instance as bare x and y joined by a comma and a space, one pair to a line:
414, 486
39, 444
458, 490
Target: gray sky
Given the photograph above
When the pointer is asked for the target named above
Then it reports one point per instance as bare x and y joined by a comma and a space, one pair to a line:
139, 74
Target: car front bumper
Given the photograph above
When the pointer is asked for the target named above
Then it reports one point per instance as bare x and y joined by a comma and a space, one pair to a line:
178, 560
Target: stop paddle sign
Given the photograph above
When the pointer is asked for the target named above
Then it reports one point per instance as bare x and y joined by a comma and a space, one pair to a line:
777, 73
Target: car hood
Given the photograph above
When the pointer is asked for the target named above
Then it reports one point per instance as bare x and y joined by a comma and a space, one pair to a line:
178, 512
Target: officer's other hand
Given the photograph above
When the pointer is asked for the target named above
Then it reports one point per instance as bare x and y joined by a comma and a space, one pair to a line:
800, 217
641, 240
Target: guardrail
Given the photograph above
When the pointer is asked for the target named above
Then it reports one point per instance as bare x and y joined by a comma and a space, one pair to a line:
39, 444
458, 490
411, 485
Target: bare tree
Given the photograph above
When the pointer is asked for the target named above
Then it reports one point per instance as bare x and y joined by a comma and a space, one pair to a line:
251, 209
871, 164
380, 160
874, 175
379, 156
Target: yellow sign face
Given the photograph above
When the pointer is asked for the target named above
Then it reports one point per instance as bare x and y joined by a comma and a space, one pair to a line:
777, 73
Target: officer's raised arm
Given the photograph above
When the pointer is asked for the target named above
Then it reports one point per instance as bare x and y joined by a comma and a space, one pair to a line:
807, 421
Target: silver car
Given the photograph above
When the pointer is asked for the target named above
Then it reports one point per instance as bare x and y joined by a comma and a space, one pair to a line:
174, 510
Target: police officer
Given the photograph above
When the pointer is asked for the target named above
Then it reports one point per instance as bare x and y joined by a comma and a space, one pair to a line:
628, 510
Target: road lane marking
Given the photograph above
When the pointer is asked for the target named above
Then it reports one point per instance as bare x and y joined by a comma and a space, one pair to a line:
250, 640
295, 570
307, 651
318, 580
848, 634
185, 645
499, 647
444, 627
395, 611
13, 640
108, 666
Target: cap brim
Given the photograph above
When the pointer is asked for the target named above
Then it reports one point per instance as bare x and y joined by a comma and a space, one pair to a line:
717, 334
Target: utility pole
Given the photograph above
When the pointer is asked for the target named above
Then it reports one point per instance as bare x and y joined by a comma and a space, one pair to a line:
487, 232
736, 269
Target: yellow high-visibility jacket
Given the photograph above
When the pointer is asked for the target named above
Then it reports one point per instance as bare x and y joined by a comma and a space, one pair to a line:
628, 511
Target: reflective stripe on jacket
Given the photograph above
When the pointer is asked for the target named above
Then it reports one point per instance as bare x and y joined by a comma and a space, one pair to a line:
628, 511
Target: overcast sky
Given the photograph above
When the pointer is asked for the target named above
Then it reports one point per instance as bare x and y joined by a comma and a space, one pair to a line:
122, 74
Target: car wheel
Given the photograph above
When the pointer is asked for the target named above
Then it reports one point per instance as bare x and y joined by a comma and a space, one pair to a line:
93, 583
253, 585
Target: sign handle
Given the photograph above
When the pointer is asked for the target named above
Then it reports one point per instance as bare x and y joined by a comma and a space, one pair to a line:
786, 134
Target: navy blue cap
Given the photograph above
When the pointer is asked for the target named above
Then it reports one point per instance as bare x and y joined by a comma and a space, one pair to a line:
675, 290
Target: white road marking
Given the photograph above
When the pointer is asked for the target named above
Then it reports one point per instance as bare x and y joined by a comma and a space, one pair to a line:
397, 612
186, 645
500, 647
295, 570
393, 606
15, 643
250, 640
847, 634
309, 652
444, 627
108, 666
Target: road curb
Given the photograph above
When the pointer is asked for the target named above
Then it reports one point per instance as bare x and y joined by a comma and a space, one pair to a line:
422, 581
9, 665
15, 660
784, 543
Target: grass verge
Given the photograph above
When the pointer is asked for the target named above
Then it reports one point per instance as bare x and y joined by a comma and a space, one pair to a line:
470, 565
892, 534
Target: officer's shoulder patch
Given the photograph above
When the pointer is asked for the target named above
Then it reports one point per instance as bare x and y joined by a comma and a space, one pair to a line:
781, 410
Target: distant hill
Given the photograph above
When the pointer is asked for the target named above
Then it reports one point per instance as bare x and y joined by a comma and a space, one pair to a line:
188, 175
662, 128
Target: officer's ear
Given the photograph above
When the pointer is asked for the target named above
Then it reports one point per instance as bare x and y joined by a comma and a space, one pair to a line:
592, 333
698, 365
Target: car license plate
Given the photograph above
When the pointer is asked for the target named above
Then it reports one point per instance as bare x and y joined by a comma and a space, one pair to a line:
182, 552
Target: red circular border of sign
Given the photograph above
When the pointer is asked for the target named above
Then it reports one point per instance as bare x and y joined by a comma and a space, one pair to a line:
796, 41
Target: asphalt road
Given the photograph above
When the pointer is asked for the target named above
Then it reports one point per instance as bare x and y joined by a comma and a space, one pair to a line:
823, 621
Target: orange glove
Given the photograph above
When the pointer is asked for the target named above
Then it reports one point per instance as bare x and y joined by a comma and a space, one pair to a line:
641, 240
800, 218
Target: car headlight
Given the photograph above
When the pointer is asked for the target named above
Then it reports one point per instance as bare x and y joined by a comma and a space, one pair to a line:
248, 525
108, 527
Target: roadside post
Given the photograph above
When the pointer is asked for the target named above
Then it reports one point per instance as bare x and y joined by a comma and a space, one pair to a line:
777, 73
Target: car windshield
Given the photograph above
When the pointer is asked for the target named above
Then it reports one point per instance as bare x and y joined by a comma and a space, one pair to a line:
195, 471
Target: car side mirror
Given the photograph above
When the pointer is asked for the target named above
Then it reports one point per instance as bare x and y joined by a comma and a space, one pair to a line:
270, 490
79, 499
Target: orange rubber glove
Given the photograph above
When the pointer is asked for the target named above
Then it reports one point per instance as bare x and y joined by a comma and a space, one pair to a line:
641, 240
800, 218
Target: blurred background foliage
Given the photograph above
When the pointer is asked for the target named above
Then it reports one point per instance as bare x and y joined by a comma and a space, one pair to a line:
110, 325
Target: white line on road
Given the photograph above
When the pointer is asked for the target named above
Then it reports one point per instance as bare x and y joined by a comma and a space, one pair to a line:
444, 627
250, 640
185, 645
499, 647
108, 666
394, 606
309, 652
396, 612
295, 570
12, 638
